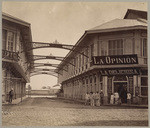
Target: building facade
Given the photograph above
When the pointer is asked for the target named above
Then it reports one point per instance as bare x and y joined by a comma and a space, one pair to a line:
15, 59
111, 57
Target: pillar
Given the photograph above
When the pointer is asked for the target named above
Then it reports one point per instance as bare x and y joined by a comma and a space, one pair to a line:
105, 78
3, 85
97, 83
139, 88
81, 88
139, 83
72, 89
135, 85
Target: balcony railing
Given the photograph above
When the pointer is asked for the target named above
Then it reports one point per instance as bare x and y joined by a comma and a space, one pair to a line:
10, 55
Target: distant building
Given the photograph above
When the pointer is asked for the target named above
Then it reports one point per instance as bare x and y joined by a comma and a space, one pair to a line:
116, 60
16, 34
45, 92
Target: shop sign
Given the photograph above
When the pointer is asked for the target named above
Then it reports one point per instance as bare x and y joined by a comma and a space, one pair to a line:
115, 60
131, 71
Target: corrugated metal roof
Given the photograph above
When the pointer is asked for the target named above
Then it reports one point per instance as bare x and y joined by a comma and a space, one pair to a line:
114, 25
119, 23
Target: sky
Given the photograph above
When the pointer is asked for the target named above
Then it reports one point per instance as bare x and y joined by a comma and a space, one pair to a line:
65, 22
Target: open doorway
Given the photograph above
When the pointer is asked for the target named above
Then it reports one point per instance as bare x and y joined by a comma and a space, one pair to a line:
121, 88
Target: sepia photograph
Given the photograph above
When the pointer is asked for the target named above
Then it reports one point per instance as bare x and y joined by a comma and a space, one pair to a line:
74, 63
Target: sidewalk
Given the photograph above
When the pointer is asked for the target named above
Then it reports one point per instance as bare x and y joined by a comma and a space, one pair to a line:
109, 105
15, 101
129, 105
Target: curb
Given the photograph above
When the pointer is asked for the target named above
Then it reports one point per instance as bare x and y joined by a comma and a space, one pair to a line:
108, 105
15, 101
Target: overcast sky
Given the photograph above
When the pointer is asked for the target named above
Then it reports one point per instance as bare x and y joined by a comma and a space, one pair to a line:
65, 22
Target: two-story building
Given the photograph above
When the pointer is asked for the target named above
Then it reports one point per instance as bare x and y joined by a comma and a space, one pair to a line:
111, 57
16, 35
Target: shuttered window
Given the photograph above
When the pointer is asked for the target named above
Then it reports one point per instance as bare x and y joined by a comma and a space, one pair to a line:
115, 47
10, 41
4, 34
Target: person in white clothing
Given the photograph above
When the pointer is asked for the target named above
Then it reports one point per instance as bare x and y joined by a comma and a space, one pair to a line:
112, 98
128, 98
97, 97
87, 98
94, 98
116, 96
91, 99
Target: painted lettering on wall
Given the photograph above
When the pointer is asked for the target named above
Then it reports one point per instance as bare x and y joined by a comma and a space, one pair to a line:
121, 71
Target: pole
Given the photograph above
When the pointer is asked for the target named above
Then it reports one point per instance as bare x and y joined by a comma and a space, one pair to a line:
21, 91
28, 91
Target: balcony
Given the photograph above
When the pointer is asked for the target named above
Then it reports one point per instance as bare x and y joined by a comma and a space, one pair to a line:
9, 55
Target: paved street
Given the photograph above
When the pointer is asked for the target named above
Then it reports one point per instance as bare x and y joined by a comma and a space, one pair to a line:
55, 112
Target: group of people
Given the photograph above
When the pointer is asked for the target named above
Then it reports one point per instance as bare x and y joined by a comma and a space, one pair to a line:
97, 99
116, 98
94, 99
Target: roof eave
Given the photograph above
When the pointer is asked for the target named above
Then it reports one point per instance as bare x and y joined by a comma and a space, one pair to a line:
116, 29
132, 10
14, 20
82, 37
21, 23
101, 31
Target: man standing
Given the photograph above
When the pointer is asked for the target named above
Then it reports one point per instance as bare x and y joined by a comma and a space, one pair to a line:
101, 97
11, 93
87, 98
97, 97
116, 96
128, 98
91, 99
112, 98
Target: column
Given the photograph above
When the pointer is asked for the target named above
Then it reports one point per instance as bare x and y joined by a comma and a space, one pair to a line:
97, 82
139, 88
3, 85
23, 89
72, 89
15, 83
135, 82
18, 85
80, 89
105, 78
139, 83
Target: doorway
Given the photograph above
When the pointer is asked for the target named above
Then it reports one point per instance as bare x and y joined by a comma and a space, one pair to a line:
121, 88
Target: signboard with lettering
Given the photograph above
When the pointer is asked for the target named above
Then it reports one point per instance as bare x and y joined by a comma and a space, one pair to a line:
115, 59
120, 71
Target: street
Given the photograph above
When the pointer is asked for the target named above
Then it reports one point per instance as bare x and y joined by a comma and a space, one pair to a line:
56, 112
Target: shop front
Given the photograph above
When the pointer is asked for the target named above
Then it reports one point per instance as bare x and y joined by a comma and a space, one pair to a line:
126, 80
123, 78
121, 81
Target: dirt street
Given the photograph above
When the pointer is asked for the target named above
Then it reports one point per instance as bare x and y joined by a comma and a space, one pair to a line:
55, 112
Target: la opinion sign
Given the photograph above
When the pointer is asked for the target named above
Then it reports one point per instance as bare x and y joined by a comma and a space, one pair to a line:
115, 59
